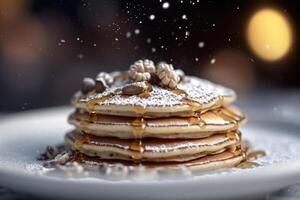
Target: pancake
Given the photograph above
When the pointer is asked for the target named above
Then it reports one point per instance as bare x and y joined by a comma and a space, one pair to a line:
156, 116
192, 95
150, 149
222, 160
211, 122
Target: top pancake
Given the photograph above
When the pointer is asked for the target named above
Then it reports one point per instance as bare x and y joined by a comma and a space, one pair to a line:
192, 95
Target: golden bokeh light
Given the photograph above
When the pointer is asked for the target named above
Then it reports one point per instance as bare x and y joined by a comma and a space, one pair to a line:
269, 34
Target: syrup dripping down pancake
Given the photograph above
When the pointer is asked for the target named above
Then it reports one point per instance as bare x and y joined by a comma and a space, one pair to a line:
206, 124
151, 149
192, 95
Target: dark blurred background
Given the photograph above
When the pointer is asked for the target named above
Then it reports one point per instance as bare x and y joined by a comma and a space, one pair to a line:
47, 47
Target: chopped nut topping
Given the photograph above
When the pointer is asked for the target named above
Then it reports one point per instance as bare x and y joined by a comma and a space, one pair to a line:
134, 88
141, 69
106, 77
167, 75
100, 85
88, 85
154, 79
180, 73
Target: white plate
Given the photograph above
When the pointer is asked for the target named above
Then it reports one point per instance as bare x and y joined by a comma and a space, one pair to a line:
24, 136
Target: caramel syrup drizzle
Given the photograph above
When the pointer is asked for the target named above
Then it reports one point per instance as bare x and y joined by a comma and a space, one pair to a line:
232, 135
247, 164
138, 126
83, 139
84, 124
197, 121
146, 93
195, 106
249, 157
92, 103
224, 115
252, 155
140, 110
236, 148
231, 114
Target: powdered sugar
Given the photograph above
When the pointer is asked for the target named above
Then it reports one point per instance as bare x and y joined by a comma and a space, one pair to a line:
204, 91
195, 89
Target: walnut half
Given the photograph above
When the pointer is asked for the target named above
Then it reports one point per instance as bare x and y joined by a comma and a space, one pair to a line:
141, 69
167, 75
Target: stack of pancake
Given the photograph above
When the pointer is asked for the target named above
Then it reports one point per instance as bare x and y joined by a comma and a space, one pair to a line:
192, 124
